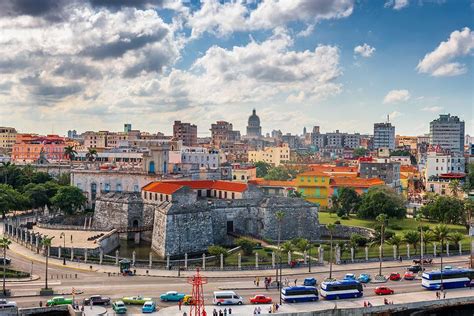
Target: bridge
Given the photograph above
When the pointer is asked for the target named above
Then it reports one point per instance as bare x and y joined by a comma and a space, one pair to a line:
136, 229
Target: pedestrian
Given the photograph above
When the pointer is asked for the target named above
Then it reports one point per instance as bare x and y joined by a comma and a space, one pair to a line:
437, 295
184, 314
258, 281
277, 307
180, 302
225, 311
214, 312
296, 281
270, 310
255, 311
385, 301
369, 304
230, 311
259, 310
444, 294
41, 303
221, 313
365, 304
255, 281
204, 313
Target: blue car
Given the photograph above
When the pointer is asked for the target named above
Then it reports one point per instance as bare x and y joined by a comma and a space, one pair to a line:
350, 276
172, 296
309, 282
149, 307
364, 278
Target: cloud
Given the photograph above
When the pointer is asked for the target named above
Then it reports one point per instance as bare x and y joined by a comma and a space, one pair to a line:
306, 32
438, 62
396, 96
397, 4
433, 109
394, 115
364, 50
223, 18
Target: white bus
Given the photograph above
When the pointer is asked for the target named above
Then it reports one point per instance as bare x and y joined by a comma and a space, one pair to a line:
227, 298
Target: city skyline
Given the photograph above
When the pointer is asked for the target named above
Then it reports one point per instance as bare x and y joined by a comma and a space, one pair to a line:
339, 64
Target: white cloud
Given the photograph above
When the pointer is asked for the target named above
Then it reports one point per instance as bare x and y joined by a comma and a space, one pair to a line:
223, 18
364, 50
394, 115
395, 96
307, 31
433, 109
397, 4
438, 62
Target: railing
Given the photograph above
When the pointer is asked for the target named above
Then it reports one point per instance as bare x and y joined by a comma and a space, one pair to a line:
134, 229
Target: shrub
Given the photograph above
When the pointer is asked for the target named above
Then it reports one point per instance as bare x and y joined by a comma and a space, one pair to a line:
338, 222
345, 217
246, 245
395, 227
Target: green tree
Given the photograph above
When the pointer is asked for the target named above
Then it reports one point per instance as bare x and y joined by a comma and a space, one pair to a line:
287, 246
69, 199
349, 200
454, 187
37, 195
46, 243
412, 237
455, 238
217, 251
70, 152
382, 219
428, 238
11, 199
303, 245
441, 233
91, 154
469, 184
331, 228
41, 177
445, 209
246, 245
358, 240
360, 152
64, 179
396, 241
334, 205
279, 173
262, 168
4, 243
381, 200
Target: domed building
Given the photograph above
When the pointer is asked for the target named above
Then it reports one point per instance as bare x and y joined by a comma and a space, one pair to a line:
254, 129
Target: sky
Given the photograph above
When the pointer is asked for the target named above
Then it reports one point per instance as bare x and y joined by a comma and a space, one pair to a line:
338, 64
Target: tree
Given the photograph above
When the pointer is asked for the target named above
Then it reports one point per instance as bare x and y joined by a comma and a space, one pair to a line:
70, 152
469, 184
11, 199
412, 237
456, 238
360, 152
64, 179
349, 200
334, 205
46, 242
382, 219
41, 177
454, 187
303, 245
331, 228
381, 200
441, 234
279, 173
445, 209
68, 199
396, 241
4, 243
217, 251
358, 240
295, 194
279, 215
92, 154
262, 168
287, 246
37, 195
246, 245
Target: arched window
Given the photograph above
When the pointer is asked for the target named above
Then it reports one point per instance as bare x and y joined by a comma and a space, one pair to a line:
242, 177
118, 187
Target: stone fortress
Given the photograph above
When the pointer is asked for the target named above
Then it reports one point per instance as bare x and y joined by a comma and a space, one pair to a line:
189, 216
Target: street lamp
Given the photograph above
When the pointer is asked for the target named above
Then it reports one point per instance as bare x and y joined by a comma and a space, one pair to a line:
63, 237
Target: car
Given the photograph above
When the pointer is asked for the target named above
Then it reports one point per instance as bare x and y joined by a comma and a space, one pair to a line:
409, 275
395, 276
7, 261
58, 300
97, 300
135, 300
350, 276
149, 307
6, 304
188, 300
309, 282
415, 268
364, 278
119, 307
383, 290
260, 299
172, 296
447, 268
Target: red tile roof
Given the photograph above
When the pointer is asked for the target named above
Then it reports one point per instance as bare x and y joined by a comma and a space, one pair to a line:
355, 182
273, 183
169, 187
162, 187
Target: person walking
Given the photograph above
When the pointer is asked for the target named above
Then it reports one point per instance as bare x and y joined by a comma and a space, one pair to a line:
180, 302
444, 294
258, 281
296, 280
214, 312
255, 311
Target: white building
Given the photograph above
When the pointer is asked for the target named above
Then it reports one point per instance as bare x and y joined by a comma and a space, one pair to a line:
448, 132
442, 163
403, 160
272, 155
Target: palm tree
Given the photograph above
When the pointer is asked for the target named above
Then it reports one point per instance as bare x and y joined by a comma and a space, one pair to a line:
91, 154
331, 228
456, 238
382, 219
419, 219
279, 215
428, 237
4, 243
441, 233
46, 242
455, 187
70, 153
396, 241
412, 238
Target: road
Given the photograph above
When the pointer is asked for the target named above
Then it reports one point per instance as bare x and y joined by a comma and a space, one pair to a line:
91, 283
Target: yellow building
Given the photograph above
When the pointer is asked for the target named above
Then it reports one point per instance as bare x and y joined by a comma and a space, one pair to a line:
314, 186
7, 138
272, 155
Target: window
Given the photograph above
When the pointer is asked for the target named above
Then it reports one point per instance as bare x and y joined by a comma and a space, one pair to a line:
135, 188
107, 187
118, 187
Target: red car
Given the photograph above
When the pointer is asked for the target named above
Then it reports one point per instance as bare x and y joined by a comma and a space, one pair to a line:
395, 276
383, 290
409, 275
260, 299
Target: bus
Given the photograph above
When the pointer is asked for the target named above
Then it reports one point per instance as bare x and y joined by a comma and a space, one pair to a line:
341, 289
452, 278
295, 294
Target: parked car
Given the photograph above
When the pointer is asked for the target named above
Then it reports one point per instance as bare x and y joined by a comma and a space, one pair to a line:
135, 300
260, 299
7, 304
7, 261
149, 307
395, 276
97, 300
415, 268
119, 307
364, 278
58, 300
350, 276
172, 296
309, 282
409, 275
383, 290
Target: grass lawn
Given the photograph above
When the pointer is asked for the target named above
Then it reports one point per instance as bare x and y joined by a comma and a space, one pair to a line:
405, 224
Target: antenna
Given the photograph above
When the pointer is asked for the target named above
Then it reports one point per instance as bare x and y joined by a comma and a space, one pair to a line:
388, 118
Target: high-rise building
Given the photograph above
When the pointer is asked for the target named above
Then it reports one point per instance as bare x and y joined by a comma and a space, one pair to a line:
186, 132
127, 127
448, 132
254, 130
384, 135
7, 138
222, 132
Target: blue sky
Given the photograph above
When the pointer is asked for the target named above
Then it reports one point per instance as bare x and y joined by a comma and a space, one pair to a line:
94, 66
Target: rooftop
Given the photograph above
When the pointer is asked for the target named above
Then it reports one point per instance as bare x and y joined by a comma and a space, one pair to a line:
169, 187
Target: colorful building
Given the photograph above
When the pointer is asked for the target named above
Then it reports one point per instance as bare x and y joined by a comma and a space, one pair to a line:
273, 187
28, 148
272, 155
314, 186
360, 185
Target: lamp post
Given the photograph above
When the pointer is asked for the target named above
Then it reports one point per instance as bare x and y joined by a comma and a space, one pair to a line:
309, 258
63, 237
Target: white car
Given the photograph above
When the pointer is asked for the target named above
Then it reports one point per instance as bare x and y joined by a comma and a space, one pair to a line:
6, 304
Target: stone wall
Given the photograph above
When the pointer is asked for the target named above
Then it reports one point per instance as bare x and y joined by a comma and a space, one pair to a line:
345, 232
115, 210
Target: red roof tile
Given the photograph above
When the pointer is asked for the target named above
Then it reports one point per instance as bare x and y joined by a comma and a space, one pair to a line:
169, 187
162, 187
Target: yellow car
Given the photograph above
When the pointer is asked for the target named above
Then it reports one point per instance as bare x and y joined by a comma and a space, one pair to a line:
188, 300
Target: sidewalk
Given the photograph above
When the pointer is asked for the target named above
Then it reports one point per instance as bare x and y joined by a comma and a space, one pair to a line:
322, 304
85, 267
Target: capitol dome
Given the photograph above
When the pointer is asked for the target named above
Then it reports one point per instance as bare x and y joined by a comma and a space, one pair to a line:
253, 126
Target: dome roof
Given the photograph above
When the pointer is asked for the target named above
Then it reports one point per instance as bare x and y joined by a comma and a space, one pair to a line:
254, 120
